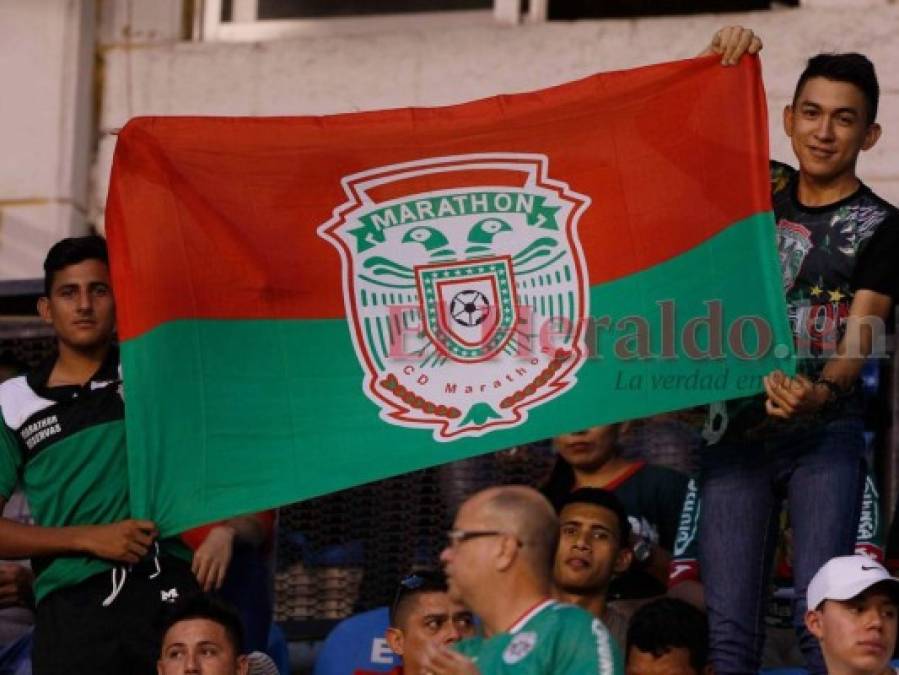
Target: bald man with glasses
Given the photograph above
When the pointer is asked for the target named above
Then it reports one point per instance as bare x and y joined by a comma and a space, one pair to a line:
498, 563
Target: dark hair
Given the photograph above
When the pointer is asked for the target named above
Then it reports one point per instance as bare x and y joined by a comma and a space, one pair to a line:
666, 624
604, 499
412, 585
850, 67
71, 251
205, 606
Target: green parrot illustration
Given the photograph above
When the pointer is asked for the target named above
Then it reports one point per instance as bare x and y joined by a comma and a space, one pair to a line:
481, 235
433, 240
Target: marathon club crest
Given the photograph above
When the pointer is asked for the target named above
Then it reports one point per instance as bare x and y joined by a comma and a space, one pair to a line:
465, 288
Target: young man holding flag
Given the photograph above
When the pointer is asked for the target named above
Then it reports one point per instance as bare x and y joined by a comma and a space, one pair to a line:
101, 576
838, 243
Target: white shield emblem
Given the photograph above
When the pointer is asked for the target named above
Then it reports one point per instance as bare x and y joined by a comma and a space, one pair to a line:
465, 287
468, 307
520, 646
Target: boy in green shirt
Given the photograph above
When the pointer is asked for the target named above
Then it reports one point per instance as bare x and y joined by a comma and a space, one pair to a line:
101, 577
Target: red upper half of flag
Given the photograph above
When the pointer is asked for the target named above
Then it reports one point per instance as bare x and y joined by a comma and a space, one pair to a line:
218, 217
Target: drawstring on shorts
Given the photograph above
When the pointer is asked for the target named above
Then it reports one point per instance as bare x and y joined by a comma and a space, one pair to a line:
117, 584
156, 561
120, 574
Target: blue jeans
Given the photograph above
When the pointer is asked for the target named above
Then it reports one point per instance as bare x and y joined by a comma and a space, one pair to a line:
821, 474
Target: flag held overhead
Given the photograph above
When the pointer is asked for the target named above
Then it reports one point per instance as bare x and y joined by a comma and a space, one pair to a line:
307, 304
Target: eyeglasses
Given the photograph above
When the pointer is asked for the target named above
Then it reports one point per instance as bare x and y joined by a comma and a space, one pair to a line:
457, 537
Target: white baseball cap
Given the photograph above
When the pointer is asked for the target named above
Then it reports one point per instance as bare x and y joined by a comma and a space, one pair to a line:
844, 577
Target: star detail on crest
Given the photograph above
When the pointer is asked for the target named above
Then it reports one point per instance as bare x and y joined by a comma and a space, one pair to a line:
835, 296
816, 291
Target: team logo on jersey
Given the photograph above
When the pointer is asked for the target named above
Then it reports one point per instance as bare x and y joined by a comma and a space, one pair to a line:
520, 646
793, 243
170, 595
455, 271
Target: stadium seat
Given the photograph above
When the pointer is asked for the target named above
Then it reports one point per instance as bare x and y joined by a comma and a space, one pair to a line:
277, 649
357, 643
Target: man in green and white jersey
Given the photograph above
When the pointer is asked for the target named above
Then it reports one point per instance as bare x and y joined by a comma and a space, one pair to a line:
499, 563
101, 577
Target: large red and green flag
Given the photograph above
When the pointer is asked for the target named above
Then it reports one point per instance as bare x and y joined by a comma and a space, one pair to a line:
310, 303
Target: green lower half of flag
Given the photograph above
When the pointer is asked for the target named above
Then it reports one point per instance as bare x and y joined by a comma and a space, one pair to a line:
227, 417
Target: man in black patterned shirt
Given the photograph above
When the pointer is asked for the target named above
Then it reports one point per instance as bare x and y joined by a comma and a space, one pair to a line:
803, 438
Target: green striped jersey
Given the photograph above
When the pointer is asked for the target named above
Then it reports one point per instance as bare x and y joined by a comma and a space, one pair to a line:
66, 447
551, 639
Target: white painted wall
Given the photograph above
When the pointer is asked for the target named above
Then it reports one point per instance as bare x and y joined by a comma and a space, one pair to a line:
46, 127
46, 58
434, 66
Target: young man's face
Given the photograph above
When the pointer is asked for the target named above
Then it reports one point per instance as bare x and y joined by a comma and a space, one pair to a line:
856, 635
430, 617
590, 549
828, 128
80, 306
199, 646
588, 449
676, 661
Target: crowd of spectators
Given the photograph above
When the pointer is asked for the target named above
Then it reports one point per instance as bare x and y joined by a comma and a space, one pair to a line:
614, 564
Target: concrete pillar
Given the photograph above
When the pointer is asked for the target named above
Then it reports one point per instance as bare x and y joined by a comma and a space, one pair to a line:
46, 127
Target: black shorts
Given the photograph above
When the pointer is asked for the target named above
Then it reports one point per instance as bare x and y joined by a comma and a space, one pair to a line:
75, 633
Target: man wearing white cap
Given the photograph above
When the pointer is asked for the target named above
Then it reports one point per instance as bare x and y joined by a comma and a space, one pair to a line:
852, 604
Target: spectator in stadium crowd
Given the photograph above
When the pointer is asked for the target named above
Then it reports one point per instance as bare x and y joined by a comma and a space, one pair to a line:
202, 635
16, 577
423, 612
499, 564
803, 438
652, 497
233, 557
16, 600
101, 577
852, 613
594, 535
668, 637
